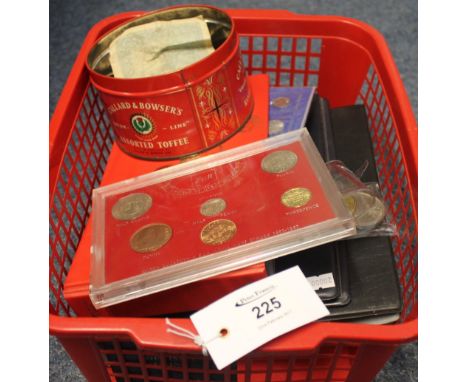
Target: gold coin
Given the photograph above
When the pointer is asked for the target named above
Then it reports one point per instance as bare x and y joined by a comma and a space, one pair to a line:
150, 237
131, 206
275, 126
281, 102
279, 161
296, 197
218, 232
350, 203
212, 207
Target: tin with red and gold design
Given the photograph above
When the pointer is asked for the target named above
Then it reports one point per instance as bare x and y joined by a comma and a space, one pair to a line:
182, 113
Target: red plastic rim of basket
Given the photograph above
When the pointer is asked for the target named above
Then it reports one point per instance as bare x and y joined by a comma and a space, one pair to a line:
152, 332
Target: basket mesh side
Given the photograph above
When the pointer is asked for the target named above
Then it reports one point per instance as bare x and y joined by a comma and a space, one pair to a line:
289, 61
81, 170
394, 185
126, 362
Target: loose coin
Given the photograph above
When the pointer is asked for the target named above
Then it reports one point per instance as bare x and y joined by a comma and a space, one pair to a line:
281, 102
350, 203
296, 197
150, 237
218, 232
212, 207
131, 206
370, 210
275, 126
279, 161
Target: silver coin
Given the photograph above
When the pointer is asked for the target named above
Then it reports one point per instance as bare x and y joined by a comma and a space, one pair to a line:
131, 206
279, 161
212, 207
275, 126
281, 102
369, 210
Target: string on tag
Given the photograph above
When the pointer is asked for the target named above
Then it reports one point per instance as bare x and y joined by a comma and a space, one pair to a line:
182, 332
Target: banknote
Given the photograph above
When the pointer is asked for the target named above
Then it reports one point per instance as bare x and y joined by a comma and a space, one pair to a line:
159, 47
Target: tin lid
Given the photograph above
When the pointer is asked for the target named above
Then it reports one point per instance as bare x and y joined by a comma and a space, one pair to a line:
212, 215
224, 39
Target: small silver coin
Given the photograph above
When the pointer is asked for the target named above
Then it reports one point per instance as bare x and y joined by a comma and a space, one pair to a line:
369, 210
213, 207
281, 102
132, 206
275, 126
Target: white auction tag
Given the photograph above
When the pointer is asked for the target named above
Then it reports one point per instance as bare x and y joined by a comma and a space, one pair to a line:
255, 314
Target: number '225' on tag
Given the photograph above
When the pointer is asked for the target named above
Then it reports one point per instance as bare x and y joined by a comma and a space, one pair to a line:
257, 313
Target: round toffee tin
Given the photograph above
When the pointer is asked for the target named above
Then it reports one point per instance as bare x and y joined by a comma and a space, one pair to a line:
181, 113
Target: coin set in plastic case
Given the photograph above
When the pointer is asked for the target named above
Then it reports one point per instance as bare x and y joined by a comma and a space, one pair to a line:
289, 107
212, 215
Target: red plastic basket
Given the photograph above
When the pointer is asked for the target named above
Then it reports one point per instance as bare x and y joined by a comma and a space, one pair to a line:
350, 63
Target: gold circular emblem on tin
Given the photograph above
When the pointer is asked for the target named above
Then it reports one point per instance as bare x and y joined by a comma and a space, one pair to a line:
218, 232
296, 197
275, 126
281, 102
132, 206
213, 207
279, 161
150, 237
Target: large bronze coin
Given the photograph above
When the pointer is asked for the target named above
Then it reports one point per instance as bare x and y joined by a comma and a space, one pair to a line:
218, 232
296, 197
150, 237
132, 206
279, 161
212, 207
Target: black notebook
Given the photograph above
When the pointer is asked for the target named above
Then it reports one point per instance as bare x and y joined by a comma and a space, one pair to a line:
373, 281
352, 141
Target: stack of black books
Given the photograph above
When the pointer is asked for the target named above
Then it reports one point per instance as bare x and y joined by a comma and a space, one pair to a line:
355, 278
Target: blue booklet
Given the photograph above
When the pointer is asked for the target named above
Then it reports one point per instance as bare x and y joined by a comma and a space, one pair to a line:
289, 107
